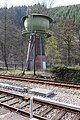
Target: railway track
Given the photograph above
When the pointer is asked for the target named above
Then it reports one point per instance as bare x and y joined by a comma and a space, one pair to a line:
41, 81
43, 109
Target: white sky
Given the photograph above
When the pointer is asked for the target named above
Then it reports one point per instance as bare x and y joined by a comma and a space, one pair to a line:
31, 2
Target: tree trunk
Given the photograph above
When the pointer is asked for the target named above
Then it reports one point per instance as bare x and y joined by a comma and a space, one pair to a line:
68, 54
5, 58
6, 64
79, 50
3, 49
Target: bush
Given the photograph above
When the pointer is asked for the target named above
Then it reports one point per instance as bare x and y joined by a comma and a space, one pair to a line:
67, 74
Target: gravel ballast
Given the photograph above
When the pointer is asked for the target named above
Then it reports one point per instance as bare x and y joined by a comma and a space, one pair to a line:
66, 95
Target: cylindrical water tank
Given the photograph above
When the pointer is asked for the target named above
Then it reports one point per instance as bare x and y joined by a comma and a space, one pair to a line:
36, 23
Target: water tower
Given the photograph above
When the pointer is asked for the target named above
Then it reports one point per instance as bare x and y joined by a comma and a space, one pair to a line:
36, 26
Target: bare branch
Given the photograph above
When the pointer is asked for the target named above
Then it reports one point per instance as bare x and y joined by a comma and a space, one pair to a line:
47, 3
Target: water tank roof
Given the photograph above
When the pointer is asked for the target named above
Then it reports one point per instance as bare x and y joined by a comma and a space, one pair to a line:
35, 14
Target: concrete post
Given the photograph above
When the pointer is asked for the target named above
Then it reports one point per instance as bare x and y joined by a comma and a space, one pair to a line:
31, 107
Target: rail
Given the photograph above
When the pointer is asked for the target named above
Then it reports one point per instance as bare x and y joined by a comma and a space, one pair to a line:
40, 108
41, 81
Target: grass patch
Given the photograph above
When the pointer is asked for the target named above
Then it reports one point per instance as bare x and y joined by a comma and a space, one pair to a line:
18, 72
15, 72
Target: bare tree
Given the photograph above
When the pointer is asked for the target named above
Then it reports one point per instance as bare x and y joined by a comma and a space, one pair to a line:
10, 38
4, 45
47, 3
43, 7
66, 31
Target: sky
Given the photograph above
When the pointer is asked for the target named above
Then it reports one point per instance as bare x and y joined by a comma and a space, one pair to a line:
32, 2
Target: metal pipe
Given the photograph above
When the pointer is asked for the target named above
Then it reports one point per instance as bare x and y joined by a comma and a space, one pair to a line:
34, 53
58, 104
41, 52
28, 54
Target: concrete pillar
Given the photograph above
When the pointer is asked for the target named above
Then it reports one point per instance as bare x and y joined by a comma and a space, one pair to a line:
31, 107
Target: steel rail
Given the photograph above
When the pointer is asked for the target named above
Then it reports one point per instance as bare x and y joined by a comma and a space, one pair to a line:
41, 81
22, 112
42, 101
17, 109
